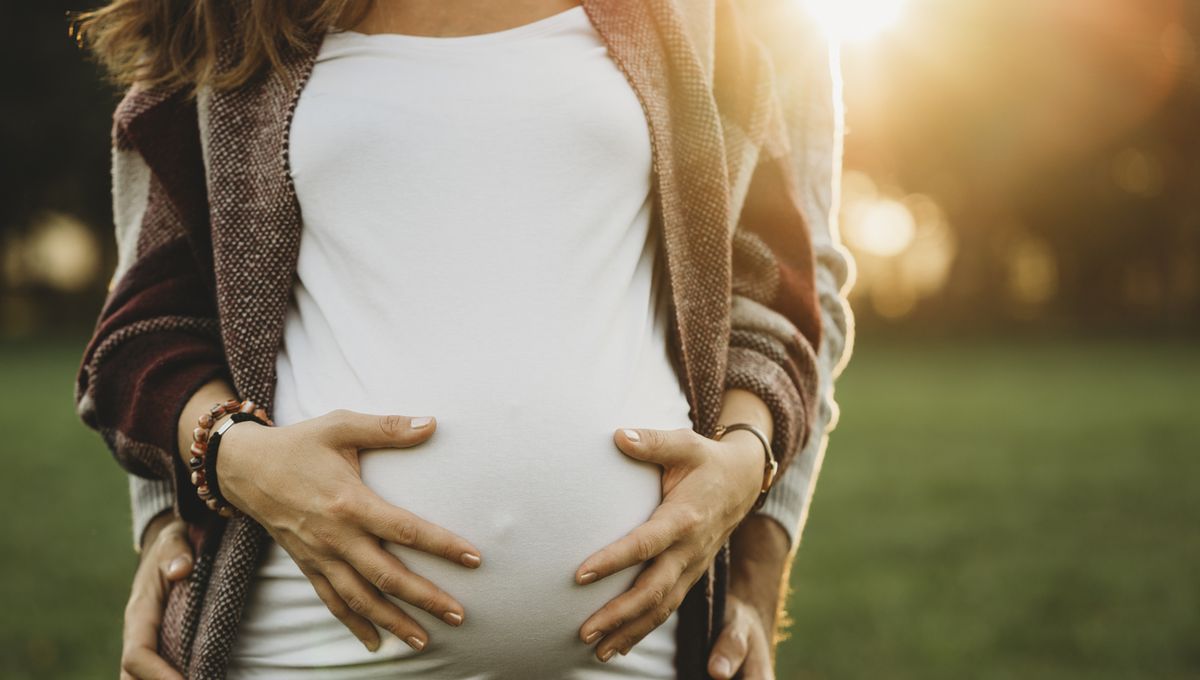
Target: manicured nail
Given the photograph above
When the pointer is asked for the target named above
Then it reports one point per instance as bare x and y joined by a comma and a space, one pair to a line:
453, 618
721, 667
632, 435
587, 578
420, 422
607, 654
591, 637
470, 559
415, 642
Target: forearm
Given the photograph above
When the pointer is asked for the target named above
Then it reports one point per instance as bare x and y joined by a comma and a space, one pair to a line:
760, 570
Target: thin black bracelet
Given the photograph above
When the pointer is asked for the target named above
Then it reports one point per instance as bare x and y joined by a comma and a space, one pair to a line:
216, 500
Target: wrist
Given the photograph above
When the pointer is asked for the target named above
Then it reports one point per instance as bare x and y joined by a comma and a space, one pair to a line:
215, 390
743, 406
229, 464
207, 437
753, 461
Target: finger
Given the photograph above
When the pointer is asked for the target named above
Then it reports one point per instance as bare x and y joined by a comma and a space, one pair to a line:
666, 525
758, 659
679, 446
651, 589
358, 625
343, 427
402, 527
629, 634
176, 563
143, 613
731, 648
391, 576
365, 600
146, 664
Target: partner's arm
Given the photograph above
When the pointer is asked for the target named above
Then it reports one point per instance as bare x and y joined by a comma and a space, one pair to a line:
808, 78
157, 338
762, 548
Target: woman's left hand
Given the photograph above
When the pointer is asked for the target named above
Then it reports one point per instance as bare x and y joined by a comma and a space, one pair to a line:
709, 486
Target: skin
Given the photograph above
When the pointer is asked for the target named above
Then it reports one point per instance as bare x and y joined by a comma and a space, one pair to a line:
331, 524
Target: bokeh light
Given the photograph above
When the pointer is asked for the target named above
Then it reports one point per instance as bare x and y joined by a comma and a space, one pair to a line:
856, 20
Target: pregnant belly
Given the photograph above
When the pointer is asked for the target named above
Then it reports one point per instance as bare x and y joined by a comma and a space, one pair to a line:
537, 491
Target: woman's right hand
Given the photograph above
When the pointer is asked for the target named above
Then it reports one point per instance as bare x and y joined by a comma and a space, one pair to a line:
303, 483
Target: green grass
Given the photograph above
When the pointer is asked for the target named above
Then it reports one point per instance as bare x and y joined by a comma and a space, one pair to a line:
1016, 510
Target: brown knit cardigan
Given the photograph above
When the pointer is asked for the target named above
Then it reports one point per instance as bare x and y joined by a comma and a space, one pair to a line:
208, 228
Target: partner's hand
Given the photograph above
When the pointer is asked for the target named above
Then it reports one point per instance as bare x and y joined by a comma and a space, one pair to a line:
708, 488
741, 644
303, 483
166, 556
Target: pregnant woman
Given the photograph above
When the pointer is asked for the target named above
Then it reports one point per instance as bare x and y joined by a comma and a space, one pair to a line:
474, 260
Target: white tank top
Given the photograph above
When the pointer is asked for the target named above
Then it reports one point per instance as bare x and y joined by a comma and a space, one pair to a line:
477, 247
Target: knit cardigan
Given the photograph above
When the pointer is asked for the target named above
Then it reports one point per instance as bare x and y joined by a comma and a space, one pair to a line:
208, 230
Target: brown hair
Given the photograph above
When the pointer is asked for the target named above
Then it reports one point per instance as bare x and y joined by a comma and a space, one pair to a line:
174, 42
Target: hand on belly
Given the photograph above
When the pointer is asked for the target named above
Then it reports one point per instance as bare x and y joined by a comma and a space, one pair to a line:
536, 502
302, 483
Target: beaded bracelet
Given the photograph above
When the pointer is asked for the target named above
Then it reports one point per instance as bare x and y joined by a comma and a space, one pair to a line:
201, 437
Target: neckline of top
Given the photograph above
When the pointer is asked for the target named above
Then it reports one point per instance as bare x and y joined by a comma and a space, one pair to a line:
532, 28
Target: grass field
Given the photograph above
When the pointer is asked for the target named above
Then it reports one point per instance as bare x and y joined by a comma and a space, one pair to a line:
1019, 510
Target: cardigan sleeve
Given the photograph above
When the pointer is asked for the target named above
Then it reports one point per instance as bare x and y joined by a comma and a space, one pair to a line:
813, 101
808, 83
156, 340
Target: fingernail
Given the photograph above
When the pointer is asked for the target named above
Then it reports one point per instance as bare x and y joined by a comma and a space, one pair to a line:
178, 563
625, 651
371, 645
452, 618
470, 559
721, 666
591, 637
587, 578
415, 642
420, 422
632, 434
607, 654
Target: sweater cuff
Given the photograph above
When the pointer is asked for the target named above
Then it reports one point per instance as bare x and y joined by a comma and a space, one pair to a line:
148, 499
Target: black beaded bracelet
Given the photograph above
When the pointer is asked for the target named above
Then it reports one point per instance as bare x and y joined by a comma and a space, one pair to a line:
216, 501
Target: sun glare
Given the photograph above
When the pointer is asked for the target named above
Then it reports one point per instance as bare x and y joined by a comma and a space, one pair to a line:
856, 20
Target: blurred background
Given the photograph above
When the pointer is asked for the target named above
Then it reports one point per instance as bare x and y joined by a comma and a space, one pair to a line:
1014, 486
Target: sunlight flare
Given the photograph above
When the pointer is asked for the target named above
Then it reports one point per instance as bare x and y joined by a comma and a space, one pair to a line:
856, 20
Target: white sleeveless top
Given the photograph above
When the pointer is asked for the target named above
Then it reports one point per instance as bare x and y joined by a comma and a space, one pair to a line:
477, 247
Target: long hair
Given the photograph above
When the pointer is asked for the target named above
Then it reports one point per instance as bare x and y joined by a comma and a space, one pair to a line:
166, 43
